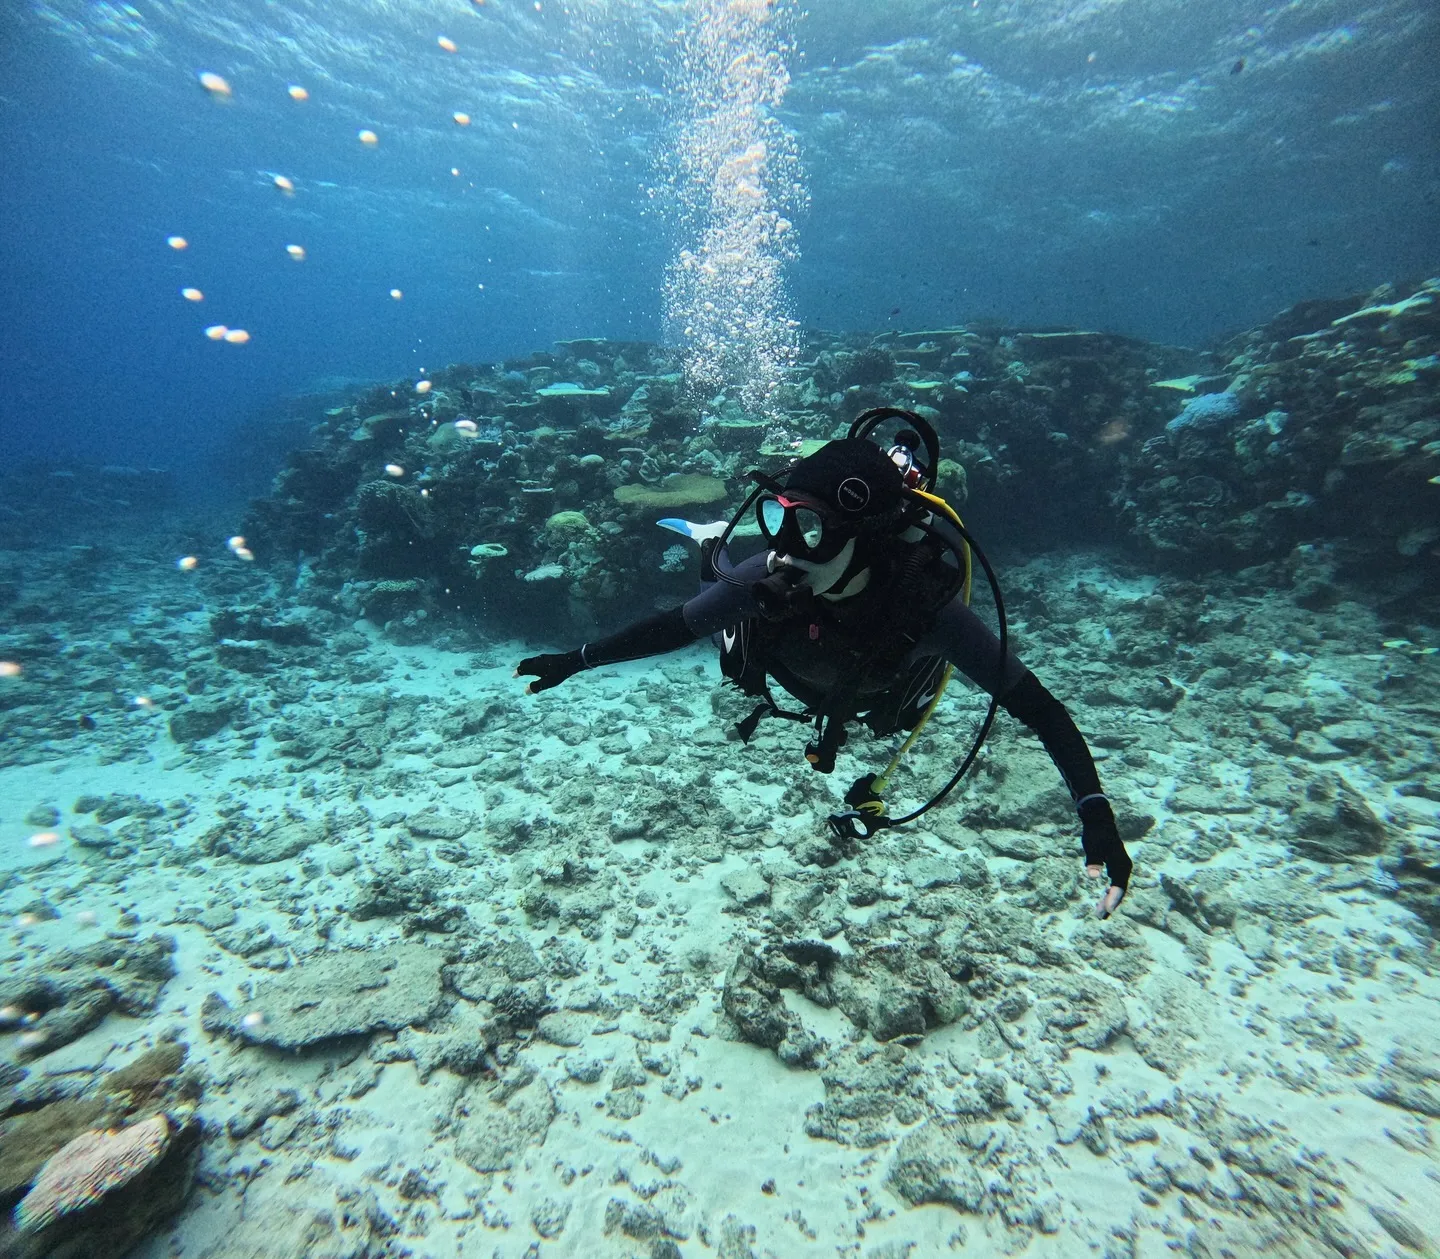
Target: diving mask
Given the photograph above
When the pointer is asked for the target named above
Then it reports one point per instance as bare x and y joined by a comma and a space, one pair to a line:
800, 525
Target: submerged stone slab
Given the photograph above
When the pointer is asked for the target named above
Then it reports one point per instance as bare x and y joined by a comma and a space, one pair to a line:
1352, 735
566, 1030
747, 886
461, 758
277, 843
960, 870
199, 719
1198, 798
935, 1163
331, 995
431, 825
494, 1137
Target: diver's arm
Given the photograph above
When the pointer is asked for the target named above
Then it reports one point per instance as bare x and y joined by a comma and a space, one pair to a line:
718, 606
730, 599
665, 631
1030, 703
967, 642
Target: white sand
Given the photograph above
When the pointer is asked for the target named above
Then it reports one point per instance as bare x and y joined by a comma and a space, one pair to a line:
743, 1124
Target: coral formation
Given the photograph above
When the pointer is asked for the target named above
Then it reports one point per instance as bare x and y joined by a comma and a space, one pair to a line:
95, 1167
1287, 435
77, 988
676, 490
91, 1166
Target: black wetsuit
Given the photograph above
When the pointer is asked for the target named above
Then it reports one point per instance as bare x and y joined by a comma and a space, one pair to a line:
957, 636
802, 665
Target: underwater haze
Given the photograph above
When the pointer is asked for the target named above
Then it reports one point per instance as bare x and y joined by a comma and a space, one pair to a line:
719, 628
1173, 171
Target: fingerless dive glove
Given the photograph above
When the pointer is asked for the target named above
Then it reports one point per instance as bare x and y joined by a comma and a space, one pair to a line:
1101, 840
549, 670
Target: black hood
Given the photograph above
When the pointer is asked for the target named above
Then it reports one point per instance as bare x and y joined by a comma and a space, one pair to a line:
854, 477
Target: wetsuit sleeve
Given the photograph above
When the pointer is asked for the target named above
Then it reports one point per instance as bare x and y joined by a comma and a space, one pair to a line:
665, 631
1030, 703
721, 604
967, 642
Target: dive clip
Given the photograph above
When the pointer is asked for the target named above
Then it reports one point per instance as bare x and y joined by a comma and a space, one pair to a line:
866, 814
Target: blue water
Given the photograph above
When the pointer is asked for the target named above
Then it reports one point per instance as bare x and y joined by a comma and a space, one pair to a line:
1112, 166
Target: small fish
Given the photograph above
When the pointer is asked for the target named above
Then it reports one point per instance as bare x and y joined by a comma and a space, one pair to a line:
86, 722
1238, 66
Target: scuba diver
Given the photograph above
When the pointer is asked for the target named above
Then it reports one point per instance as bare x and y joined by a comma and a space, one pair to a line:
859, 608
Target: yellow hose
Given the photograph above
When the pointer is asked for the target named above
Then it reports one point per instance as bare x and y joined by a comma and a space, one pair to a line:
883, 777
950, 514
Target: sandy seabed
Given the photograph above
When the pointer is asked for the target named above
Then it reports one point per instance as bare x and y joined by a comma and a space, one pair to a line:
465, 972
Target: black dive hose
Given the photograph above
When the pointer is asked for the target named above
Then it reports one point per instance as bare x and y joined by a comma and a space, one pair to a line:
885, 823
989, 721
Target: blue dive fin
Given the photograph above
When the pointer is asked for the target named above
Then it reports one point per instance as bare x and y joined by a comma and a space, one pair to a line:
688, 529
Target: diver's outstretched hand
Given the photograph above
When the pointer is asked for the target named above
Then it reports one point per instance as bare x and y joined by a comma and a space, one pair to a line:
548, 670
1114, 894
1104, 848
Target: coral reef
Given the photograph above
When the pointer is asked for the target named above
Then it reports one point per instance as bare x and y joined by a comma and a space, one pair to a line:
1290, 434
1327, 435
90, 1167
77, 988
